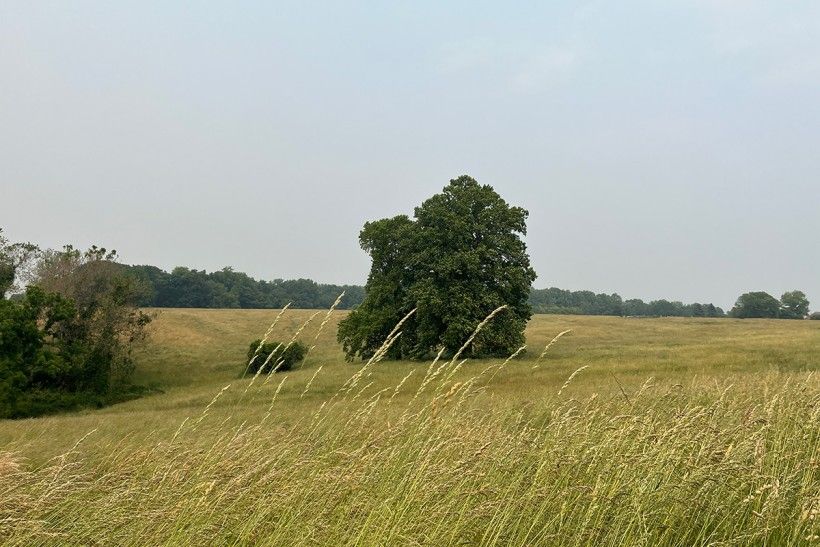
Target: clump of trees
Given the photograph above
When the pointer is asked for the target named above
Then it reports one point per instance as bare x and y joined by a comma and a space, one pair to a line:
274, 356
759, 304
458, 259
554, 300
226, 288
67, 340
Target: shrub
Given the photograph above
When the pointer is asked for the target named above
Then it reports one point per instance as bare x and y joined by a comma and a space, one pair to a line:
274, 355
815, 315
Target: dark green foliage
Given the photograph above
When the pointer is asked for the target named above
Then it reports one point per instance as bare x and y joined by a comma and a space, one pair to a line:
794, 305
51, 359
7, 269
6, 276
756, 305
185, 288
460, 258
188, 288
104, 297
67, 341
274, 355
554, 300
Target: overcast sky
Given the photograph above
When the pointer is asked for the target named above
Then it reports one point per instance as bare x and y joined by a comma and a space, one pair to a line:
664, 149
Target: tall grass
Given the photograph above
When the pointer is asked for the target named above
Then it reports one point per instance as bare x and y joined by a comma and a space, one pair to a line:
442, 460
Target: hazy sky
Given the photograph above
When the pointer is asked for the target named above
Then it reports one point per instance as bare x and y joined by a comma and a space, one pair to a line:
664, 149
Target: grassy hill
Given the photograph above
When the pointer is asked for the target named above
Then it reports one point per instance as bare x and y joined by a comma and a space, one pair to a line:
669, 431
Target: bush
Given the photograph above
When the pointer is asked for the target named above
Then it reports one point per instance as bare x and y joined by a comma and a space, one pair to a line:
815, 315
283, 357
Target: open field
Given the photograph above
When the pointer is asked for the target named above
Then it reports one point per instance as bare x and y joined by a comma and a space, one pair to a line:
677, 431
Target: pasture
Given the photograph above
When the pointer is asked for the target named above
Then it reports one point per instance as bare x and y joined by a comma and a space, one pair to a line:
628, 431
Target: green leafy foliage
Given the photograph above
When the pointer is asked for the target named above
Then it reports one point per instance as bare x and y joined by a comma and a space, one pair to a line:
794, 305
6, 266
756, 305
67, 342
460, 258
50, 359
226, 288
274, 356
555, 300
6, 277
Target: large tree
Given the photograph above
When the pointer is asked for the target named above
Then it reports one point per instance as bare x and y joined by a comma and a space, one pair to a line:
459, 258
104, 297
794, 305
756, 304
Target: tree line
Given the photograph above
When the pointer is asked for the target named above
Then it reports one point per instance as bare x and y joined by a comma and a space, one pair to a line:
226, 288
190, 288
560, 301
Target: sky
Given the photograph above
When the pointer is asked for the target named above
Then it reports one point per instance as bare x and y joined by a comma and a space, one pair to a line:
663, 149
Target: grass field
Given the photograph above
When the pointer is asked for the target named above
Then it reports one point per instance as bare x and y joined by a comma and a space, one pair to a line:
628, 431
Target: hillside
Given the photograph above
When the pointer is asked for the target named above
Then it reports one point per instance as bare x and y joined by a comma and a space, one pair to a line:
665, 431
193, 353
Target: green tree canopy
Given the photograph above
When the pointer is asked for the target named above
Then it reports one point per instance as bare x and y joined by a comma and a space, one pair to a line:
226, 288
794, 305
66, 342
459, 258
756, 304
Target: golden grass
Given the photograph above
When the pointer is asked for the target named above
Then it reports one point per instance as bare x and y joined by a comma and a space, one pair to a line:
629, 431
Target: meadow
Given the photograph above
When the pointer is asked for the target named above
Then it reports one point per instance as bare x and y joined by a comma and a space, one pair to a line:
625, 431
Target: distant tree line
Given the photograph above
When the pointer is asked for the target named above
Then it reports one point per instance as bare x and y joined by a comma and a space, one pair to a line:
560, 301
226, 288
190, 288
